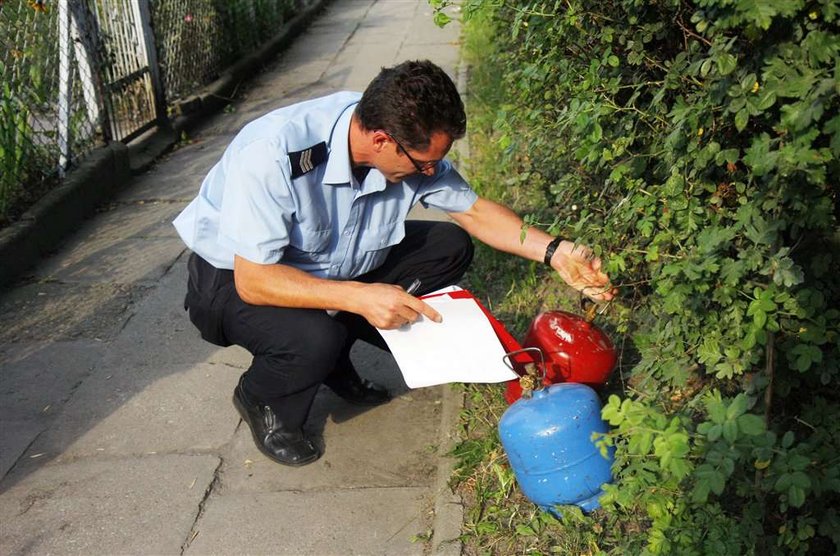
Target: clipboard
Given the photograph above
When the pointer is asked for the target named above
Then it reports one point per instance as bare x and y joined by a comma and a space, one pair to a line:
469, 345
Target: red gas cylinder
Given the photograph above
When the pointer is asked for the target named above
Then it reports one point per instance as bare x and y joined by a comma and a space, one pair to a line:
575, 350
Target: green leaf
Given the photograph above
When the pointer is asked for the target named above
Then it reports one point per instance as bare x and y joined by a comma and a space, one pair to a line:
717, 481
804, 356
613, 61
525, 531
728, 155
441, 19
750, 424
757, 313
709, 351
645, 442
708, 478
766, 301
612, 412
832, 128
765, 100
787, 439
783, 482
798, 462
759, 157
486, 527
701, 492
741, 119
737, 407
726, 63
680, 468
800, 480
762, 12
730, 431
715, 407
796, 496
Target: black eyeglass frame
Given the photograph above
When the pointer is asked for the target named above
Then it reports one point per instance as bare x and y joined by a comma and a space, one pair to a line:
420, 167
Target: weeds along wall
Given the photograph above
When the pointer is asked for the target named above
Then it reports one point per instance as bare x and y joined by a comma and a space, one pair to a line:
79, 73
695, 145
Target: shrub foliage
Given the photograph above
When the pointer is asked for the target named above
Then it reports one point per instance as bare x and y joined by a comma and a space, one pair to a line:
695, 144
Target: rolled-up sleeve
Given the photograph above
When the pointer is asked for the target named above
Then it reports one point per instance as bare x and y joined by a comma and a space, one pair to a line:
258, 203
447, 190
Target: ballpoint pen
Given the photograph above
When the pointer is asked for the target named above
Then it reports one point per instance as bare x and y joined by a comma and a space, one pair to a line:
415, 285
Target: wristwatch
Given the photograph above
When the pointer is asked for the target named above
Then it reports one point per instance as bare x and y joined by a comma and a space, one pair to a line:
550, 249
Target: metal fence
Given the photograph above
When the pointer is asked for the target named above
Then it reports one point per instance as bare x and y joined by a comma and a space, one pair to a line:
78, 73
197, 39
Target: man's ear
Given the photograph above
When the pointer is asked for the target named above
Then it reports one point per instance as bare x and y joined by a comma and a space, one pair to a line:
379, 140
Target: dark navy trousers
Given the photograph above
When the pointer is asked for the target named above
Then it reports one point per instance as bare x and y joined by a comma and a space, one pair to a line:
295, 350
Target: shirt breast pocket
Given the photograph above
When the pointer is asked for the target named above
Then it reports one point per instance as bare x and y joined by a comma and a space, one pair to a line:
382, 237
308, 245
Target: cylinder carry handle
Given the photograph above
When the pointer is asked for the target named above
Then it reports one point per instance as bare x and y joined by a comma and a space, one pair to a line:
528, 381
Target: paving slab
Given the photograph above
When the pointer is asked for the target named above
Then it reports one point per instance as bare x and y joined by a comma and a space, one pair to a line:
136, 220
346, 74
121, 506
180, 409
297, 75
36, 380
245, 113
293, 77
385, 446
16, 435
112, 260
321, 43
159, 334
442, 54
48, 311
343, 16
57, 368
199, 152
349, 522
158, 186
425, 31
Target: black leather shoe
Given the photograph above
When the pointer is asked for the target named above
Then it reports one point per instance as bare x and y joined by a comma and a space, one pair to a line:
357, 390
285, 446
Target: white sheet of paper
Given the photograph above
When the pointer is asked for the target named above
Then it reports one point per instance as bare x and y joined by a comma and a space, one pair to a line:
462, 348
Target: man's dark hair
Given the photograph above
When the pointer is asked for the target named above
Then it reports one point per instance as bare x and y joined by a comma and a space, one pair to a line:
411, 101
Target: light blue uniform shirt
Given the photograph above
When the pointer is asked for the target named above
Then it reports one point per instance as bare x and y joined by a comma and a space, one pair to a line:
323, 222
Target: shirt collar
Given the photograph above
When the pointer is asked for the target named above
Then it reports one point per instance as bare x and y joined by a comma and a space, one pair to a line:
338, 163
338, 170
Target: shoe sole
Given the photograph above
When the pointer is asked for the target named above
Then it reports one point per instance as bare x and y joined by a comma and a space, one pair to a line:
357, 402
243, 413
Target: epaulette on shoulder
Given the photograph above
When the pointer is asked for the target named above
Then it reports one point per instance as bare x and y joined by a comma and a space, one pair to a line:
305, 161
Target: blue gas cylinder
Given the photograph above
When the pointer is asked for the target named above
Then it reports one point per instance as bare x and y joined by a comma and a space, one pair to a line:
548, 441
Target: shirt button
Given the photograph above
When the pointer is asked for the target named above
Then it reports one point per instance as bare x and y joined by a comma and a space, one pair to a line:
347, 233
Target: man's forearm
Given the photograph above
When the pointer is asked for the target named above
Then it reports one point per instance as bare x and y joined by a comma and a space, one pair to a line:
285, 286
501, 228
383, 305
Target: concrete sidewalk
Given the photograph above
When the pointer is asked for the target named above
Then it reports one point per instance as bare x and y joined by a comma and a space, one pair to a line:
117, 432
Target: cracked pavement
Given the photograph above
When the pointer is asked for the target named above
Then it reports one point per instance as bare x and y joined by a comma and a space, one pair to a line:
117, 432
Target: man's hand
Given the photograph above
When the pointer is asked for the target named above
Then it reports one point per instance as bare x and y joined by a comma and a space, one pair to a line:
581, 269
387, 306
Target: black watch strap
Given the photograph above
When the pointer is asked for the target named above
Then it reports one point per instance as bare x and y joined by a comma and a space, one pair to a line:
550, 249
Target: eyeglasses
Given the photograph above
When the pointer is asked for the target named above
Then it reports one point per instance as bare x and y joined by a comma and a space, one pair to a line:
421, 167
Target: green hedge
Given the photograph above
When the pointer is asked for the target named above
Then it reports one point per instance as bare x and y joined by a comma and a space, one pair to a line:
695, 144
